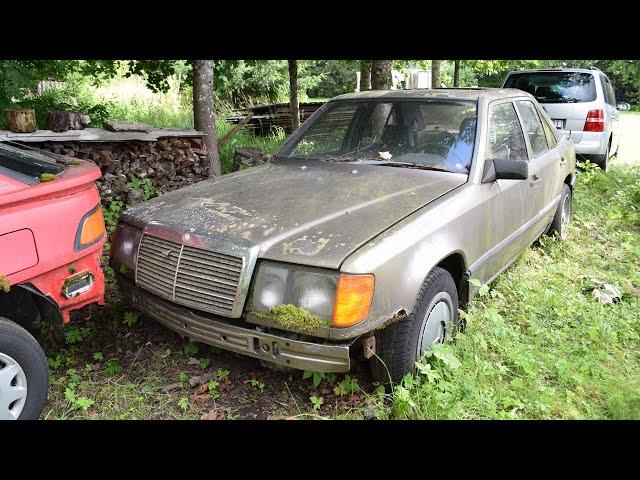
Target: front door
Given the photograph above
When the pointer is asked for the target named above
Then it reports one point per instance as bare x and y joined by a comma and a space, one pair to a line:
510, 210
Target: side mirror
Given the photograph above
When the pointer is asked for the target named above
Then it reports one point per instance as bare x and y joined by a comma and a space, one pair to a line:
624, 106
495, 169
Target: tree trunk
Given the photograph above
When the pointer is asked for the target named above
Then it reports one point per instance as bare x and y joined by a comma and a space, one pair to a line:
456, 73
435, 74
365, 75
293, 94
203, 114
62, 120
381, 75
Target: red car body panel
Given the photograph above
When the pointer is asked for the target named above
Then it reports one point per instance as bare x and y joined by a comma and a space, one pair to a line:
38, 228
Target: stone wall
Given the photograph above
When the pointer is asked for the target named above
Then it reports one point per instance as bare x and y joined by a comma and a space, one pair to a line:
169, 163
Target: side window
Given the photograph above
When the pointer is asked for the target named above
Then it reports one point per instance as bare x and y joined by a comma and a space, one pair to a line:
532, 127
552, 140
505, 139
605, 89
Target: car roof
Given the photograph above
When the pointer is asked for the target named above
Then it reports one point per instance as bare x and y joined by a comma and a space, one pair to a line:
559, 69
473, 94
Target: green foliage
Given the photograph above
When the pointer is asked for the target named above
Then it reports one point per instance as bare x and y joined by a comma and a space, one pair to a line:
130, 318
257, 384
183, 403
146, 188
76, 334
98, 356
111, 213
204, 363
213, 389
317, 377
316, 402
347, 386
190, 349
112, 367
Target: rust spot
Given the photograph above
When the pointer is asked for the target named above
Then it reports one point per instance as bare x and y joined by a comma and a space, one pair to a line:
305, 246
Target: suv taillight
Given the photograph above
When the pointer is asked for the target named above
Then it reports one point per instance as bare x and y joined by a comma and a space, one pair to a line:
594, 121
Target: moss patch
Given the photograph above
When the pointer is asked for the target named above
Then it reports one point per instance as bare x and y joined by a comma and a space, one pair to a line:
4, 284
293, 318
47, 177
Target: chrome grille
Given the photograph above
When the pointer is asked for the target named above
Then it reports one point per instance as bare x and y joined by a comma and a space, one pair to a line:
190, 276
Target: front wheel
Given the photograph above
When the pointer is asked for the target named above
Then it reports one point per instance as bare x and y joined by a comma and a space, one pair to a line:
404, 342
24, 374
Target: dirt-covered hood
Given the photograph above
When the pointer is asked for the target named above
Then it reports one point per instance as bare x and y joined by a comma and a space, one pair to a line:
309, 212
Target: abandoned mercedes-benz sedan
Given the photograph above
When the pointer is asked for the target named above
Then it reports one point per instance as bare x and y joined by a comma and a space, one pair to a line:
363, 230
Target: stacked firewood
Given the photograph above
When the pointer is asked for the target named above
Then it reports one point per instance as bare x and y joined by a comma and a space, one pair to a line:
169, 163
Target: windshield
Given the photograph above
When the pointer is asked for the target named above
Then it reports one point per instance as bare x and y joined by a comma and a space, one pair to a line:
26, 166
433, 134
555, 87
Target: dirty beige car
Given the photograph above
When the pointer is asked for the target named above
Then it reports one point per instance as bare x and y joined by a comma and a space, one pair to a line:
363, 230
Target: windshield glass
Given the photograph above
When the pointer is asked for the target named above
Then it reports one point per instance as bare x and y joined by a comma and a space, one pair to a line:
433, 134
25, 165
555, 87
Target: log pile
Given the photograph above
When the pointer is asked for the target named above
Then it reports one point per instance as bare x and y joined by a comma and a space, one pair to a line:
170, 163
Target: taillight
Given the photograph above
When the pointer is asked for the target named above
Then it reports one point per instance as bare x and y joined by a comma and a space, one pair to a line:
594, 121
91, 229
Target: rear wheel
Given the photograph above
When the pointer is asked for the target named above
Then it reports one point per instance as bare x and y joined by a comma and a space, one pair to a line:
24, 374
603, 160
562, 218
402, 343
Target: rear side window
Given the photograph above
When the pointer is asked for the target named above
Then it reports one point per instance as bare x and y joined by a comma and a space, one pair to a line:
555, 87
609, 96
505, 140
532, 127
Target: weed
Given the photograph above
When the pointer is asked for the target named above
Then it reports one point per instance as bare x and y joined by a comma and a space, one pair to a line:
130, 318
112, 367
190, 349
213, 389
183, 403
316, 402
257, 384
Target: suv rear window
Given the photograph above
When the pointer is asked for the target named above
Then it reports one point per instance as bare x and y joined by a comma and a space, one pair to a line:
26, 166
555, 87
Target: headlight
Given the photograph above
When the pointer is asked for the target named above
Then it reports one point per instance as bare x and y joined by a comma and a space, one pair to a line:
124, 246
340, 299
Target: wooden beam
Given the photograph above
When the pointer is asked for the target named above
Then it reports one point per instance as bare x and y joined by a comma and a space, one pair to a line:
234, 131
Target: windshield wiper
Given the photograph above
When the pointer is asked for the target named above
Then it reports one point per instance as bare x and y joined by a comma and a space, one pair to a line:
385, 163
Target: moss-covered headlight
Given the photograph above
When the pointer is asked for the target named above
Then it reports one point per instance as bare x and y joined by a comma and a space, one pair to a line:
309, 288
339, 299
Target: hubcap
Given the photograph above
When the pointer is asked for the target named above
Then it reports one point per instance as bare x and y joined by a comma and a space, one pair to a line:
436, 322
13, 388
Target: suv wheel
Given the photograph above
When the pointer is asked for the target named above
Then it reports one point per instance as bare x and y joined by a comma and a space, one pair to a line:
24, 374
603, 160
562, 218
402, 343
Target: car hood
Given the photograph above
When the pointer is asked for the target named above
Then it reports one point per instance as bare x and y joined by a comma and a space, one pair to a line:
310, 212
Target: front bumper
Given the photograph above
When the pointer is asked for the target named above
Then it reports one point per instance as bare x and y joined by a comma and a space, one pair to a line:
51, 284
213, 330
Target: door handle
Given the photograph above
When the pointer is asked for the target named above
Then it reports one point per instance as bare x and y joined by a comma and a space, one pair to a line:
535, 180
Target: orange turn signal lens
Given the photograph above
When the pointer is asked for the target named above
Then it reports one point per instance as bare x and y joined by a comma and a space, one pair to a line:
91, 229
353, 299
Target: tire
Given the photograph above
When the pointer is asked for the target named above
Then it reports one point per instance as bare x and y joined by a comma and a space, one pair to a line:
397, 345
562, 218
603, 160
24, 374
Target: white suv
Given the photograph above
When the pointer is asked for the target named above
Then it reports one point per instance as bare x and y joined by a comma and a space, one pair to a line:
581, 103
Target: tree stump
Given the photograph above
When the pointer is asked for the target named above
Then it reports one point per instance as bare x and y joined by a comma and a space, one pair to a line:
61, 121
20, 120
247, 157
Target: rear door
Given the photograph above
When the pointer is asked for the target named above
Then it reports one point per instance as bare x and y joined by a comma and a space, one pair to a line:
544, 170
